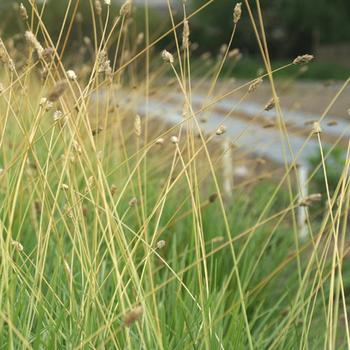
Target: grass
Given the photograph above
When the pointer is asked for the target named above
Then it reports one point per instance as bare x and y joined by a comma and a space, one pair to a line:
121, 231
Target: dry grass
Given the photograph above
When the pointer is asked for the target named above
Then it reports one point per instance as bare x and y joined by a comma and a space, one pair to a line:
122, 229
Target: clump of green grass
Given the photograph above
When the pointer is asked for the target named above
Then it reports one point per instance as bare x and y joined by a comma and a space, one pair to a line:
115, 230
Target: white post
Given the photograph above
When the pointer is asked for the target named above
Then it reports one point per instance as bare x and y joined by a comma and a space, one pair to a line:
303, 192
227, 168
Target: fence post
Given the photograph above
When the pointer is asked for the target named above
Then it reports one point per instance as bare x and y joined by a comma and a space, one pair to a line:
227, 167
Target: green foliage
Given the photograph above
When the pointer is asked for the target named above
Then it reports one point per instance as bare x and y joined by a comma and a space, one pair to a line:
292, 26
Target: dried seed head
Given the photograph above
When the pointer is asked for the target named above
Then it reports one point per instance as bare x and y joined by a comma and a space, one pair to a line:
104, 64
30, 37
235, 54
160, 141
113, 189
316, 128
311, 199
161, 244
45, 104
126, 8
57, 91
303, 59
65, 187
167, 57
133, 202
132, 316
237, 12
23, 12
270, 105
185, 35
18, 246
107, 2
98, 7
71, 75
57, 116
140, 38
174, 139
255, 84
221, 130
96, 131
47, 54
137, 125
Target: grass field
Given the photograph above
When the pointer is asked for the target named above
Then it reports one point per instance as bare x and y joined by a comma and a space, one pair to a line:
123, 231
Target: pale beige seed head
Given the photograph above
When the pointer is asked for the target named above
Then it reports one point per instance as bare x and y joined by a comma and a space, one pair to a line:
161, 244
33, 41
18, 246
125, 9
137, 125
160, 141
71, 75
132, 316
185, 34
310, 200
167, 57
303, 59
107, 2
23, 12
316, 128
140, 38
221, 130
235, 54
98, 7
57, 116
237, 12
174, 139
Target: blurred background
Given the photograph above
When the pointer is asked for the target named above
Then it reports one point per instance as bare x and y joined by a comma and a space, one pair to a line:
292, 27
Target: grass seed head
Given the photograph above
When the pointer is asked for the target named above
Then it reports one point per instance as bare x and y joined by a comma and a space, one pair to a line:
303, 59
132, 316
270, 105
174, 139
98, 7
133, 202
23, 12
221, 130
316, 128
310, 200
71, 75
33, 41
18, 246
167, 57
125, 9
160, 141
237, 12
137, 125
161, 244
185, 34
